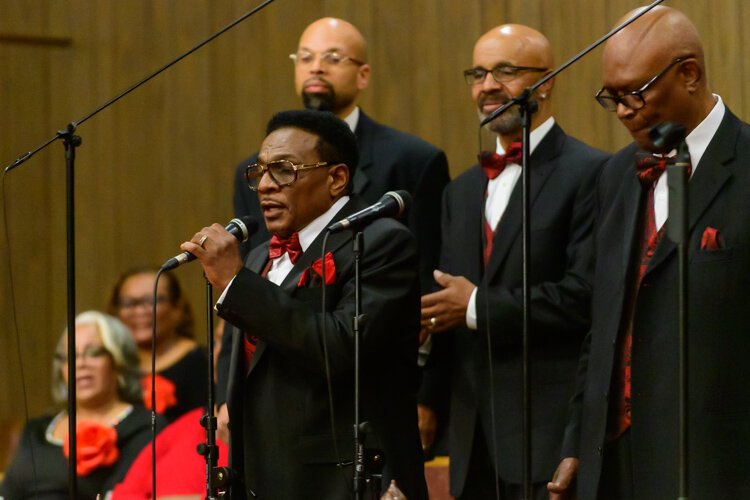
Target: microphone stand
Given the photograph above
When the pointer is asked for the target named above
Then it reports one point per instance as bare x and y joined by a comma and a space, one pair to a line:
677, 230
526, 107
216, 477
359, 446
71, 141
666, 137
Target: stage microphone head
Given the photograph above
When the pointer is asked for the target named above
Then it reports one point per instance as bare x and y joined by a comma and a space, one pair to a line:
667, 136
391, 204
402, 197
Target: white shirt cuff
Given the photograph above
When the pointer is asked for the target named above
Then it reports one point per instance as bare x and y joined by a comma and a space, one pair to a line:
471, 311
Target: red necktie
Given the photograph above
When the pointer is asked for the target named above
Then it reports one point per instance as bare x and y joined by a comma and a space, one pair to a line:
280, 246
493, 164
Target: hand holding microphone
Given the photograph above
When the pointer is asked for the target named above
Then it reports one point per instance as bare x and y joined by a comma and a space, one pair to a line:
217, 249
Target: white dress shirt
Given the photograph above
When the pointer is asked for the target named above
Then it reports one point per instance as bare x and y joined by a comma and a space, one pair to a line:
697, 142
281, 266
499, 190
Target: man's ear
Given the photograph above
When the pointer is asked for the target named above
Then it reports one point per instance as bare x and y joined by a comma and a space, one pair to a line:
692, 75
338, 179
363, 77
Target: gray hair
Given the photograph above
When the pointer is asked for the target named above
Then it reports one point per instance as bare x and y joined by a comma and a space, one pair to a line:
119, 343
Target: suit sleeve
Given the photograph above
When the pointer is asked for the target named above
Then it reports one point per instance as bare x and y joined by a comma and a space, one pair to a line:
557, 307
424, 218
295, 328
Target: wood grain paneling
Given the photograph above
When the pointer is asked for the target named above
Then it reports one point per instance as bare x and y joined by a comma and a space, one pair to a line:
158, 165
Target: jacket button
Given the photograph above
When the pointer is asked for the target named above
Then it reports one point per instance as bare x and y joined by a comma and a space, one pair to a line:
598, 450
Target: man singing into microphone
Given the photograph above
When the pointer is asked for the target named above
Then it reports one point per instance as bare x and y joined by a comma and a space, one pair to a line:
282, 409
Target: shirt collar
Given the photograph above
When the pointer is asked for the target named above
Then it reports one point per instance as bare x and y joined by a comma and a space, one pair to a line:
701, 135
536, 135
353, 118
308, 234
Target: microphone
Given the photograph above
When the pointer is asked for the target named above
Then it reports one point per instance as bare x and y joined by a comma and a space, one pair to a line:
392, 204
240, 228
667, 136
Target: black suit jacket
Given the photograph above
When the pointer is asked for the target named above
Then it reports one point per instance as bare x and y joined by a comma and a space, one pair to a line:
388, 160
718, 336
279, 412
563, 172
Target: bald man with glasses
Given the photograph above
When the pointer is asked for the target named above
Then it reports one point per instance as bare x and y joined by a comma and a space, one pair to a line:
622, 439
480, 278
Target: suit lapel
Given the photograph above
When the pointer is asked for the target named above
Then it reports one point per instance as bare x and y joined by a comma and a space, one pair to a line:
335, 241
631, 207
710, 175
473, 200
508, 230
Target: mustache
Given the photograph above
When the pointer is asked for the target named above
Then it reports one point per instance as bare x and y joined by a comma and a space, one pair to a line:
317, 81
493, 97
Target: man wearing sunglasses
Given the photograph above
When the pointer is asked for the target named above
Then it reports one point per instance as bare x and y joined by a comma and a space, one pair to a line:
287, 358
480, 277
623, 438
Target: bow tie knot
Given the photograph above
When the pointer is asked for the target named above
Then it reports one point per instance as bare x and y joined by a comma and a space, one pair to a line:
649, 167
280, 246
493, 164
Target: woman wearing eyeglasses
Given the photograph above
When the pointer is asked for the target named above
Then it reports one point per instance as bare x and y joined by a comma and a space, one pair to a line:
181, 364
112, 425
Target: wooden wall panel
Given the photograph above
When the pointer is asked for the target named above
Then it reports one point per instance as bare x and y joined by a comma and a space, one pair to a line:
158, 165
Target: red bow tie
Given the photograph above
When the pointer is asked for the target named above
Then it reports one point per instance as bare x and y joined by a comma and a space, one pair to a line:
280, 246
493, 164
649, 167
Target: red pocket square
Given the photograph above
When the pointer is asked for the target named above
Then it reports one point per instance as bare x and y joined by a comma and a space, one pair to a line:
710, 240
314, 278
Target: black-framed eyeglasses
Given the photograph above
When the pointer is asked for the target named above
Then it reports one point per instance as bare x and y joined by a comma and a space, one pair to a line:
502, 73
634, 100
133, 302
331, 58
89, 353
283, 172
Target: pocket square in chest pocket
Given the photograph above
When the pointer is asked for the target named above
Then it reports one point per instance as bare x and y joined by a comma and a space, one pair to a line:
711, 240
313, 275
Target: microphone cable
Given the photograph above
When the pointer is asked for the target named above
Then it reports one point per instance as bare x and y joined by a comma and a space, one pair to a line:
153, 383
14, 322
490, 360
326, 359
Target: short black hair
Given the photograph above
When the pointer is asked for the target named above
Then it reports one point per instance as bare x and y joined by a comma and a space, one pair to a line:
336, 142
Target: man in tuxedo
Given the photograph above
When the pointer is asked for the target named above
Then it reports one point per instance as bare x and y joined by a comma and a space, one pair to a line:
330, 73
291, 375
480, 274
622, 440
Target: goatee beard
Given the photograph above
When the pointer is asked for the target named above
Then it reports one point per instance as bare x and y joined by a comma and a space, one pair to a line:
319, 102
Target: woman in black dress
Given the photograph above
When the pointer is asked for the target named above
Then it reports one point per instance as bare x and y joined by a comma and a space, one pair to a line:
112, 425
181, 364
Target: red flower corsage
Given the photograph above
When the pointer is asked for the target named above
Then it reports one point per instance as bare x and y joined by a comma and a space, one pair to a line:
315, 277
96, 446
165, 393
